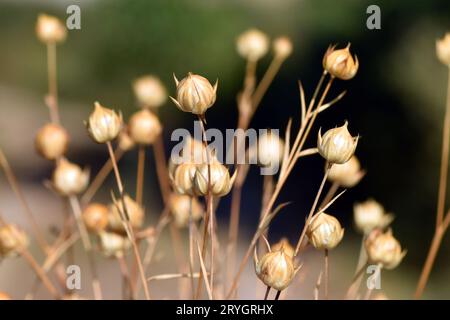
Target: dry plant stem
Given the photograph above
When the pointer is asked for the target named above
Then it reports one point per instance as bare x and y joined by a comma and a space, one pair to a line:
444, 159
267, 192
75, 204
277, 296
362, 262
292, 159
431, 257
12, 180
191, 248
312, 211
330, 194
266, 295
52, 82
101, 176
41, 274
161, 168
129, 228
356, 282
326, 274
441, 225
140, 174
267, 79
127, 283
209, 220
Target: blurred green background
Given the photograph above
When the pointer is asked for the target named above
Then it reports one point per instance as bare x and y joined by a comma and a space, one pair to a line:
396, 102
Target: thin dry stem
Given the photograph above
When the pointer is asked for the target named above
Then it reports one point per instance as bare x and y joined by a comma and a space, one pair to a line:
52, 82
140, 174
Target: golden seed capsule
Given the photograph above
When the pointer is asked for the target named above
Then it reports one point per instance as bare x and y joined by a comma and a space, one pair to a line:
51, 141
113, 244
275, 269
104, 124
347, 174
12, 240
324, 231
180, 206
149, 91
134, 210
282, 47
5, 296
144, 127
50, 29
124, 141
95, 217
69, 178
443, 49
337, 145
195, 94
286, 245
252, 44
370, 215
270, 149
340, 63
183, 178
221, 182
383, 248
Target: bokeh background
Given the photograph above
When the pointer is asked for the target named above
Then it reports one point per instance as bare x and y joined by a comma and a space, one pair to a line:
396, 103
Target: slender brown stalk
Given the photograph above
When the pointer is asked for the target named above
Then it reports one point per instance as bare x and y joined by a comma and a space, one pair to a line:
12, 180
40, 273
312, 211
441, 224
76, 208
277, 296
362, 262
267, 293
128, 228
267, 79
101, 176
140, 174
354, 286
161, 168
127, 283
330, 194
431, 257
52, 82
191, 248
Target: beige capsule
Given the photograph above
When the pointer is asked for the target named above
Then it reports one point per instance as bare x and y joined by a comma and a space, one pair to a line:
12, 240
270, 149
69, 179
348, 174
282, 47
149, 91
181, 207
51, 141
370, 215
324, 231
195, 94
125, 142
275, 269
337, 145
183, 178
221, 182
134, 210
104, 124
95, 217
384, 249
144, 127
50, 29
252, 44
113, 244
285, 245
340, 63
443, 49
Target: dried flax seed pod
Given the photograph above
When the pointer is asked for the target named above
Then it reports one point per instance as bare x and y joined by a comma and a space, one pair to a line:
50, 29
95, 217
113, 244
134, 210
221, 182
180, 206
324, 231
286, 245
104, 124
195, 94
370, 215
51, 141
347, 174
149, 91
252, 44
144, 127
337, 145
12, 240
383, 248
443, 49
69, 179
340, 63
282, 47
